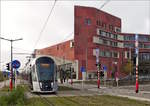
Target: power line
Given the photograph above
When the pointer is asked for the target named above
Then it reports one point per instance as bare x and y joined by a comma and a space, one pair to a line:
44, 26
104, 4
67, 36
72, 31
23, 53
16, 48
48, 19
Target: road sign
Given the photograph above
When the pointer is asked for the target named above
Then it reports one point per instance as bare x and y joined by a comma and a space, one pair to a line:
136, 37
97, 52
82, 69
97, 55
136, 50
15, 64
97, 60
104, 68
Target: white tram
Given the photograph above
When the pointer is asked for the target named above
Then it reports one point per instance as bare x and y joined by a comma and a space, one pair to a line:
42, 74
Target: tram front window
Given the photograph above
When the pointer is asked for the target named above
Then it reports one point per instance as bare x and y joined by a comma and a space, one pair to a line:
45, 71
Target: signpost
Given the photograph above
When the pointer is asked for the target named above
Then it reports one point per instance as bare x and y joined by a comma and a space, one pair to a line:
15, 64
98, 67
136, 52
82, 69
105, 74
104, 68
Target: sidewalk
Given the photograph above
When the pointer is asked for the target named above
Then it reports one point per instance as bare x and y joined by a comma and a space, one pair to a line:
114, 91
6, 83
3, 83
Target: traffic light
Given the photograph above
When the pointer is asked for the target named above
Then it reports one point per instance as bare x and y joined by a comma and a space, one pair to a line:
98, 65
7, 66
102, 73
134, 59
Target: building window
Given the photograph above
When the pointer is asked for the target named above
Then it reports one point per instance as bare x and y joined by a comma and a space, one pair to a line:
111, 43
111, 35
88, 21
111, 27
144, 56
144, 38
108, 54
127, 55
116, 44
57, 47
107, 34
105, 42
100, 23
97, 22
146, 46
100, 32
71, 44
115, 36
128, 37
117, 29
115, 54
141, 45
129, 45
104, 25
103, 33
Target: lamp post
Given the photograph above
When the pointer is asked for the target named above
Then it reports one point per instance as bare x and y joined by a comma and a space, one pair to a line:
11, 71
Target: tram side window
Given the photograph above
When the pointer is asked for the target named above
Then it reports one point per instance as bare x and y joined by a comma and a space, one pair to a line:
33, 74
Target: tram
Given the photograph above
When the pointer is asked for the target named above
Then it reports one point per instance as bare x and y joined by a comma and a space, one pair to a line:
42, 75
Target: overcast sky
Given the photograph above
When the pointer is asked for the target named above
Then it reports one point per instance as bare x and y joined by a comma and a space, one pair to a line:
25, 20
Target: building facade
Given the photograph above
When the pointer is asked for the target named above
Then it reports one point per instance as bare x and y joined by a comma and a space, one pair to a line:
95, 29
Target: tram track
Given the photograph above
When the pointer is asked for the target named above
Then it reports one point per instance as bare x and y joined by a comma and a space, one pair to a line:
49, 103
44, 99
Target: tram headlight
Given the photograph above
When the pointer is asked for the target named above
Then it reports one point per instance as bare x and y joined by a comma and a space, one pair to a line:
52, 84
40, 84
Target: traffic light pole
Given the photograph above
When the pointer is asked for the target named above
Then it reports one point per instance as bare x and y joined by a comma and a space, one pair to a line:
137, 82
98, 66
11, 71
137, 52
98, 76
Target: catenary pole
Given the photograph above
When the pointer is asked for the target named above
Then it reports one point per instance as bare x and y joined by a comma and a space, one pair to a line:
11, 70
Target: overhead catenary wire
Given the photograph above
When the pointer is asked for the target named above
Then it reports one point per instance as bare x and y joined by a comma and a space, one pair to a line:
104, 4
48, 19
70, 34
72, 31
17, 49
44, 26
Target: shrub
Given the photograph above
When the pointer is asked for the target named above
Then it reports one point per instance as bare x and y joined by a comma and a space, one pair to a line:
16, 97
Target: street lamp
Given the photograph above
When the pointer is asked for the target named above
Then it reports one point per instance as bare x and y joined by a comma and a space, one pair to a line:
11, 70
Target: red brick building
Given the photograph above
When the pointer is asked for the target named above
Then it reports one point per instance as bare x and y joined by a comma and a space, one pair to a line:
93, 29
